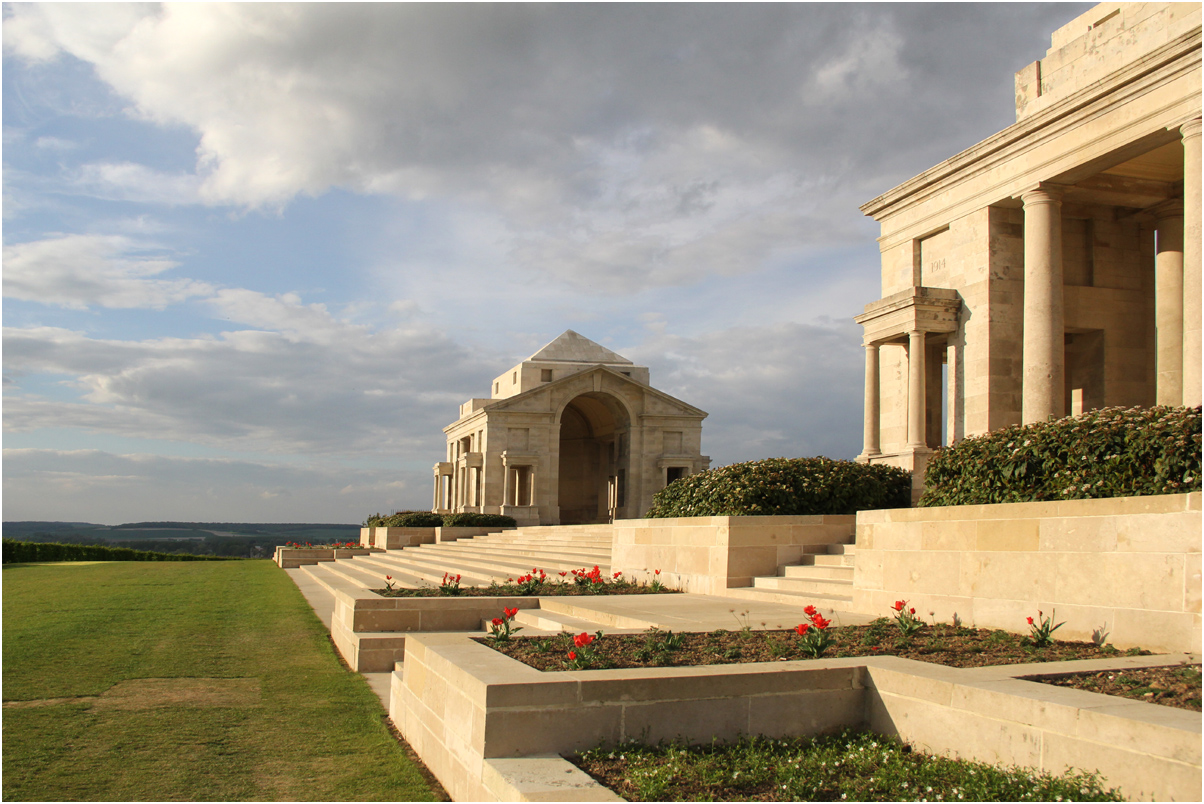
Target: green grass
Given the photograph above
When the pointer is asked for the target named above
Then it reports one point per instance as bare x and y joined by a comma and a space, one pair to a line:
299, 727
851, 766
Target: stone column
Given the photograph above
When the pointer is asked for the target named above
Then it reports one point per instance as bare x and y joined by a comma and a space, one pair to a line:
1168, 303
916, 382
438, 483
507, 485
1191, 262
1044, 355
873, 396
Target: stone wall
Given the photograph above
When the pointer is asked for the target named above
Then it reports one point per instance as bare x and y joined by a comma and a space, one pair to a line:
707, 555
1127, 565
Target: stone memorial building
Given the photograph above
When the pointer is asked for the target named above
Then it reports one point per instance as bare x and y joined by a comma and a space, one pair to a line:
573, 434
1054, 267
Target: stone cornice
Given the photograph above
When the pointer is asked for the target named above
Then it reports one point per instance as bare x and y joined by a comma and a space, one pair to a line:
1159, 67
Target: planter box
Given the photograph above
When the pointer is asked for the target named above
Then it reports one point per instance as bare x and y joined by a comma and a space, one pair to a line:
398, 538
291, 557
464, 706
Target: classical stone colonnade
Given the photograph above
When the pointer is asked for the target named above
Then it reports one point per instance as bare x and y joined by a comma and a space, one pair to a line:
1054, 267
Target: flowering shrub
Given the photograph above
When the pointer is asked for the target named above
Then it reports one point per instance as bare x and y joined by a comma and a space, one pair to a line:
500, 629
1110, 452
906, 618
814, 638
450, 585
1041, 636
785, 486
471, 520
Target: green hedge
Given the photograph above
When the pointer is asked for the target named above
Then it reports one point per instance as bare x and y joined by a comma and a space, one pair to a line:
478, 521
16, 552
1109, 452
426, 519
785, 486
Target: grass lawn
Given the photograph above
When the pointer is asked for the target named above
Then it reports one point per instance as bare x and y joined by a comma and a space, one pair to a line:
135, 681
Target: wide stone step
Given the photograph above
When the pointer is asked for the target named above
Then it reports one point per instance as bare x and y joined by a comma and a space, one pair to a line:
563, 554
789, 598
497, 560
552, 622
814, 572
411, 576
591, 543
822, 586
826, 560
480, 571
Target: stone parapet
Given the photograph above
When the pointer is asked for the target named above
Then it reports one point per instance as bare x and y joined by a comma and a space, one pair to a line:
1128, 566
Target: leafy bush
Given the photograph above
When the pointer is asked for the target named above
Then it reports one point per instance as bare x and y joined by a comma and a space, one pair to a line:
785, 486
21, 552
478, 521
1109, 452
426, 519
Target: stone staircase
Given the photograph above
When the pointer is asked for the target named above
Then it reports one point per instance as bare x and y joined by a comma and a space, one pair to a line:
478, 560
823, 576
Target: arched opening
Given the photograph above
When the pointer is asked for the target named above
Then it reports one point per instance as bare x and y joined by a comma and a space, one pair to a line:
594, 447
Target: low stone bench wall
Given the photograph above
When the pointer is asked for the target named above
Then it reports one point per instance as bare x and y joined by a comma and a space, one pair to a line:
708, 555
397, 538
369, 630
1127, 565
465, 708
292, 557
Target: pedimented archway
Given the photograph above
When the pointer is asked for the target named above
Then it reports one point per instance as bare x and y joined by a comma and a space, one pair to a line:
592, 476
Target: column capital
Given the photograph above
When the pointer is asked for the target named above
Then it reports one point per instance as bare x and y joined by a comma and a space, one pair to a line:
1190, 129
1043, 193
1172, 208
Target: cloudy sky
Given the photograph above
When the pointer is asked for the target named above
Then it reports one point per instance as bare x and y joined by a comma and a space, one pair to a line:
256, 255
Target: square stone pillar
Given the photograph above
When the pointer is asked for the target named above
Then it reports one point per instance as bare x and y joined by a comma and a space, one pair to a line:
1044, 355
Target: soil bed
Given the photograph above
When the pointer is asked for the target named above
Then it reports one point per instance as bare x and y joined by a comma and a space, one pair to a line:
1177, 686
852, 766
543, 590
940, 644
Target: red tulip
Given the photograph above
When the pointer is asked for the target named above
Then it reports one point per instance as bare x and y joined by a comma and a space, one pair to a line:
801, 628
1030, 620
572, 655
497, 621
809, 611
899, 604
582, 639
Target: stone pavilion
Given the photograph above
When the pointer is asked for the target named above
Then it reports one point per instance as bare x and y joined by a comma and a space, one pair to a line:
1054, 267
574, 434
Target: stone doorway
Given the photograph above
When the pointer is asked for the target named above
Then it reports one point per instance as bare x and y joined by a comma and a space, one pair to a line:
594, 450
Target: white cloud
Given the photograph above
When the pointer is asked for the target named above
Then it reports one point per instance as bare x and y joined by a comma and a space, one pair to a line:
129, 181
105, 488
80, 271
625, 144
307, 383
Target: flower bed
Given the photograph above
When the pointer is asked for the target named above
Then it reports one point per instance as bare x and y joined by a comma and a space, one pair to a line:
1177, 686
536, 584
947, 645
852, 766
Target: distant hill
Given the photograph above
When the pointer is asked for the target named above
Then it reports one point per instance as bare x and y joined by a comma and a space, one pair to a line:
245, 539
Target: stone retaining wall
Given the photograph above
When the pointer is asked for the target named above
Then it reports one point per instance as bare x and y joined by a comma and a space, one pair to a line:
462, 705
707, 555
1127, 565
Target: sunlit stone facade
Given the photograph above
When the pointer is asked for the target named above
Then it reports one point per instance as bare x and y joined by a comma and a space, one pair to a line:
573, 434
1054, 267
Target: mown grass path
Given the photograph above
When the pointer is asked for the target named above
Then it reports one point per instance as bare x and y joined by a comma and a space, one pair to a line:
254, 705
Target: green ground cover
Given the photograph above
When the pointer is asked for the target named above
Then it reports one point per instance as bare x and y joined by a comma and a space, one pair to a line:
254, 704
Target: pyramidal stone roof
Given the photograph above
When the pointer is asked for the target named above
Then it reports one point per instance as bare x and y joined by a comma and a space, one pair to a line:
573, 348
